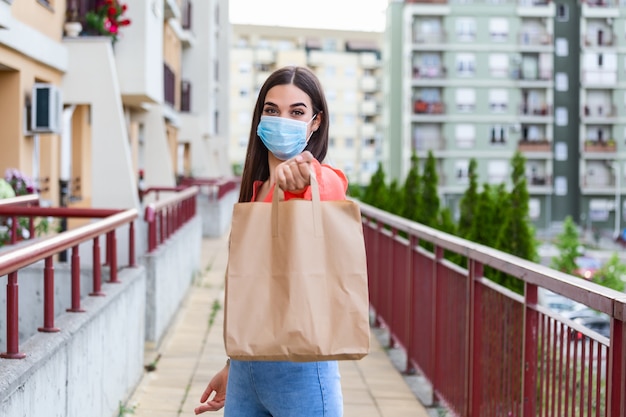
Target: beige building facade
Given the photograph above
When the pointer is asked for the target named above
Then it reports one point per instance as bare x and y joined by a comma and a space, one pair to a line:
85, 114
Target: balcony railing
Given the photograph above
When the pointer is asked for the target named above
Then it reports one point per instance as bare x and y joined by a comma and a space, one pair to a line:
600, 146
429, 72
526, 145
425, 107
532, 110
429, 38
601, 110
532, 38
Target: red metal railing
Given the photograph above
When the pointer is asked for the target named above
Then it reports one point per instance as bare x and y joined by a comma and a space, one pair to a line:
217, 187
164, 217
11, 262
486, 350
24, 200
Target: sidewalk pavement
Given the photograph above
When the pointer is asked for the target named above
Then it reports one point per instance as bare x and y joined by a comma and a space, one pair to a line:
192, 351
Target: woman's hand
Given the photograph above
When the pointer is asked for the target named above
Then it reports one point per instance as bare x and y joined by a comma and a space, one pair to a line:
294, 174
217, 386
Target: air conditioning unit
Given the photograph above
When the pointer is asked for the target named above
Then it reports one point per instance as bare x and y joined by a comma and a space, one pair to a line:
46, 109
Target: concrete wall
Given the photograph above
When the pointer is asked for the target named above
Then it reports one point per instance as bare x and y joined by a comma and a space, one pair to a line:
92, 364
216, 214
97, 359
170, 271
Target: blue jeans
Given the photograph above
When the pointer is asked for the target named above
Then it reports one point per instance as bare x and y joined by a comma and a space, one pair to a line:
283, 389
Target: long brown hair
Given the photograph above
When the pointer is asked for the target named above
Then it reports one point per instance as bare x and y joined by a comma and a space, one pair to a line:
256, 166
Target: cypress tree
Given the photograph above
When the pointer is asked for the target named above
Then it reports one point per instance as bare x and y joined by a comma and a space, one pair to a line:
429, 211
568, 244
469, 202
395, 199
482, 228
516, 235
376, 192
412, 191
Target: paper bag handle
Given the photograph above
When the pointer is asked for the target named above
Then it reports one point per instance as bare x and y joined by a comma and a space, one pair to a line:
279, 195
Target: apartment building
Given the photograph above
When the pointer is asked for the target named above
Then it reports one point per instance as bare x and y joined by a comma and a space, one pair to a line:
84, 112
348, 66
481, 79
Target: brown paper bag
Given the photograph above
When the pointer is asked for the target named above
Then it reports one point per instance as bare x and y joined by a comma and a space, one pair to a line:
296, 281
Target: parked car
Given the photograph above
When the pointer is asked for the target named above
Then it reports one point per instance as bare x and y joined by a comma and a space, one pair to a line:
600, 324
587, 266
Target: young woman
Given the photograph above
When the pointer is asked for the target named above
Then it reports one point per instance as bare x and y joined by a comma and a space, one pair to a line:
288, 141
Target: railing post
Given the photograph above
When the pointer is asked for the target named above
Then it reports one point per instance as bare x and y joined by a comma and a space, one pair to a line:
617, 361
97, 269
13, 230
48, 298
113, 258
409, 368
131, 245
13, 335
530, 351
438, 252
475, 331
75, 262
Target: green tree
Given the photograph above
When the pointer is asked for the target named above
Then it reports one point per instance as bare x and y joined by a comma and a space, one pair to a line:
468, 204
483, 227
568, 245
395, 199
611, 274
429, 210
376, 193
412, 191
516, 235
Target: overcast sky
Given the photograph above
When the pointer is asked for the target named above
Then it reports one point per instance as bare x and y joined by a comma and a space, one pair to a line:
366, 15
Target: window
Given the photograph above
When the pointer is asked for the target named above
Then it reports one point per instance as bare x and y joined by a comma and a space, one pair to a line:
561, 81
466, 29
244, 67
499, 29
465, 99
534, 208
243, 141
499, 65
562, 12
461, 169
466, 65
350, 71
331, 95
349, 120
349, 143
330, 71
465, 135
498, 100
497, 171
497, 135
560, 116
561, 47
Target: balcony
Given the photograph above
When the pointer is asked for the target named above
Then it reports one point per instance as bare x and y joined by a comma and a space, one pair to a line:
368, 130
369, 108
422, 144
534, 39
187, 14
539, 180
599, 39
429, 38
598, 113
424, 107
597, 146
526, 109
599, 77
429, 72
264, 56
369, 84
526, 145
369, 60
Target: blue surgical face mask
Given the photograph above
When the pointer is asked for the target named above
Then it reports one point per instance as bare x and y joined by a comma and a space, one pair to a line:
283, 137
